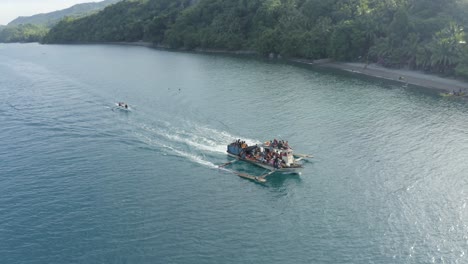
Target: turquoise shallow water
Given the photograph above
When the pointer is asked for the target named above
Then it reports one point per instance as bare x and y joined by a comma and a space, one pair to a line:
82, 183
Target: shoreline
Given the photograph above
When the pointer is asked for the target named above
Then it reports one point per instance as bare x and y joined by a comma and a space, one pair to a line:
406, 77
417, 78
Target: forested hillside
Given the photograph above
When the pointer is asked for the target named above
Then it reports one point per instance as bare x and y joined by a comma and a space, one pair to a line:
50, 19
126, 21
22, 33
34, 28
417, 34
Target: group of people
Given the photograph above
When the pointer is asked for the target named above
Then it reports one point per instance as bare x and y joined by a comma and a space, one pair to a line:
269, 157
280, 144
265, 155
240, 144
459, 93
122, 104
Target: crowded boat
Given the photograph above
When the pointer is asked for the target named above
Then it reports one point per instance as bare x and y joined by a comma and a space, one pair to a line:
274, 155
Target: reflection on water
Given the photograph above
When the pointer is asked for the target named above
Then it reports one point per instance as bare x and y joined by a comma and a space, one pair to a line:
387, 184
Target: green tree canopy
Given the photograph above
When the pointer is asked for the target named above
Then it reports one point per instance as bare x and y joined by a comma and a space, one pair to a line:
419, 34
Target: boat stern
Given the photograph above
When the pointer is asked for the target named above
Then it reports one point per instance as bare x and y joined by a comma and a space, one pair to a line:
233, 149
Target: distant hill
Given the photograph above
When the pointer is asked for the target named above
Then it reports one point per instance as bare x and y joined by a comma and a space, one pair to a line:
50, 19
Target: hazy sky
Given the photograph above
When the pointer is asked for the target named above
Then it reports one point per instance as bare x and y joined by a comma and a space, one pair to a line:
11, 9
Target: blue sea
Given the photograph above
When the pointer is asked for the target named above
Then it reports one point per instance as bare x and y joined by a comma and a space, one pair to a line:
84, 182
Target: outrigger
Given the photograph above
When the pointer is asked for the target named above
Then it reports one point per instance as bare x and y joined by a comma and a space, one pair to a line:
275, 156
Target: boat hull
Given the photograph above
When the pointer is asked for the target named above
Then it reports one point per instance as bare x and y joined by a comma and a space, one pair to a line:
296, 170
462, 94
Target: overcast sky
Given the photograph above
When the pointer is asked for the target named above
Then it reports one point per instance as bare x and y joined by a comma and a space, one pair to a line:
11, 9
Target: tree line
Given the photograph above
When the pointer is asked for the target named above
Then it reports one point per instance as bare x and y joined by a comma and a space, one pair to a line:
22, 33
415, 34
34, 28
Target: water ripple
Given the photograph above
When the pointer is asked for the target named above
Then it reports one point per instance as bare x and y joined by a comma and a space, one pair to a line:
82, 183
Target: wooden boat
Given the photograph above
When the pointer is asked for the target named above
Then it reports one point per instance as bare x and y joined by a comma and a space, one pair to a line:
461, 94
273, 158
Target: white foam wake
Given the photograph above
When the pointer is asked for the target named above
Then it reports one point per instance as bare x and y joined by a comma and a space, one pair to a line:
195, 142
193, 157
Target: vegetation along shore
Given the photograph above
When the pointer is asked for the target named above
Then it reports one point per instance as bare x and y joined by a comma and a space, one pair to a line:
406, 77
389, 38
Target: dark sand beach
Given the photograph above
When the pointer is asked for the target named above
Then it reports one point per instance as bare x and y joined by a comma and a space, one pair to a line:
404, 76
430, 81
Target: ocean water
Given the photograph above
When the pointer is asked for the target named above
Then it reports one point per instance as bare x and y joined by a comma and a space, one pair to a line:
82, 182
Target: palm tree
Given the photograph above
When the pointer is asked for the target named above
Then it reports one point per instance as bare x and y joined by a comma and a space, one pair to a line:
445, 48
411, 44
382, 49
423, 58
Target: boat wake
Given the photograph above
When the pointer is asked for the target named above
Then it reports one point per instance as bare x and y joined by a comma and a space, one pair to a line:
190, 156
200, 144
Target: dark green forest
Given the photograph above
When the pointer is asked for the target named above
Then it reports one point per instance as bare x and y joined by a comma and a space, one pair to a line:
33, 28
22, 33
415, 34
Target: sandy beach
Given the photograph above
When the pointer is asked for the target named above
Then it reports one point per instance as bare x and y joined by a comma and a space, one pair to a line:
404, 76
417, 78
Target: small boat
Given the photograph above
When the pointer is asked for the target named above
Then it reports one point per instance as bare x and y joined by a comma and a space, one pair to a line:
271, 156
453, 94
122, 106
